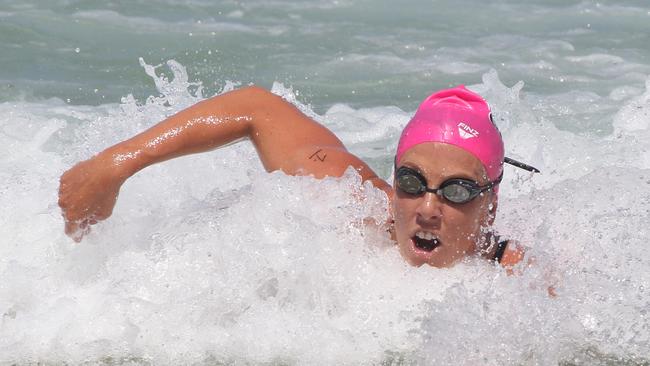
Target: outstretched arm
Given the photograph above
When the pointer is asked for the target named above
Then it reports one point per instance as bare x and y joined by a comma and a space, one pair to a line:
285, 139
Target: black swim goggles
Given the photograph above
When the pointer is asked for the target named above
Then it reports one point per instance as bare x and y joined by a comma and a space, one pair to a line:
456, 190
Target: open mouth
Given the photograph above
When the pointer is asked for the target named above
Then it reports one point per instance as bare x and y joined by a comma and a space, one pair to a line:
426, 241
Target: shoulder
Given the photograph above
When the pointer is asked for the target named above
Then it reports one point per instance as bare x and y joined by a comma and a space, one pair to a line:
513, 254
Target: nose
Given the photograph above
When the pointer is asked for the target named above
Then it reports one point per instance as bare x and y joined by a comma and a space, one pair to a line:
430, 207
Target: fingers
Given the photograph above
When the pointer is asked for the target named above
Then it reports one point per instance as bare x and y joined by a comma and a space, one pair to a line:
78, 229
77, 221
74, 230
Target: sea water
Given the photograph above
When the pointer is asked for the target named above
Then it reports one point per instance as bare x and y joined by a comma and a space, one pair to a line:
209, 260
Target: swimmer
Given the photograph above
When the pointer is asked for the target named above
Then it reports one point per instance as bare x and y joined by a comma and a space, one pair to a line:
443, 199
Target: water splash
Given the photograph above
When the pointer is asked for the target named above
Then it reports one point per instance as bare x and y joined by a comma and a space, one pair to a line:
208, 259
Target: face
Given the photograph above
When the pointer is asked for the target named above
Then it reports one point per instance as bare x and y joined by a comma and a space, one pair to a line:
451, 230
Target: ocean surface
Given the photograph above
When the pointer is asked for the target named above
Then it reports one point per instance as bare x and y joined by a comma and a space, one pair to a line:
209, 260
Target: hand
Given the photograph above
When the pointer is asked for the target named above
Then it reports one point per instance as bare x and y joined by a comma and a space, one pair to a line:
87, 194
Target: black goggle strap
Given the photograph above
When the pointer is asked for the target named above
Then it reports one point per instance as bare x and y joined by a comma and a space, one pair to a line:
492, 183
521, 165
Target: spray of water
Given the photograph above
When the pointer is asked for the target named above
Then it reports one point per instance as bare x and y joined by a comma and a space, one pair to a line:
207, 259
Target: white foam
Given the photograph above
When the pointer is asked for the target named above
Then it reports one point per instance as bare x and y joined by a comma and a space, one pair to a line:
634, 118
209, 259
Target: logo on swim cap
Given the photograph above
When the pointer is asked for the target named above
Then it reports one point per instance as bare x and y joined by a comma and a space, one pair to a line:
466, 132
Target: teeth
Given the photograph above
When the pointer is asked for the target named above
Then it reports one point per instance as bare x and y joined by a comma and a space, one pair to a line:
425, 235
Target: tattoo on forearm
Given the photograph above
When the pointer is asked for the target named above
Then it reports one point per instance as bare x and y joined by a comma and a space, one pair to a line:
317, 156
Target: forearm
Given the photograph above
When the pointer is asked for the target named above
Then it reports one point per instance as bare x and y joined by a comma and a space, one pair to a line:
202, 127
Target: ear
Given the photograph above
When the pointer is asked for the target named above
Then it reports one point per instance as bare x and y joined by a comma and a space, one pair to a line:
391, 215
492, 209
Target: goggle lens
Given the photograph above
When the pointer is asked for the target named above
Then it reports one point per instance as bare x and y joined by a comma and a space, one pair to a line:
410, 183
457, 193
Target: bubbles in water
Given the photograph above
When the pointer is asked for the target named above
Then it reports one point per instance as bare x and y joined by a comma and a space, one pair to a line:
634, 117
208, 259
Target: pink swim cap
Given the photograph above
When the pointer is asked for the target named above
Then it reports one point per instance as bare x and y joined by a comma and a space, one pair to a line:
461, 118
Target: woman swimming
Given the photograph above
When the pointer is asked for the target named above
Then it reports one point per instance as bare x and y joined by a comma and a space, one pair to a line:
448, 167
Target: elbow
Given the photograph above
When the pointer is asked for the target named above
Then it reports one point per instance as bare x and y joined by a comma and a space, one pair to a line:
261, 99
249, 100
254, 94
255, 91
259, 102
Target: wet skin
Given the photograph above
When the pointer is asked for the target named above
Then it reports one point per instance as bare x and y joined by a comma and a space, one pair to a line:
460, 228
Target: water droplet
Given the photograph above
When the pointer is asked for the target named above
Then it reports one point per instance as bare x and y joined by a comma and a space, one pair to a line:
77, 50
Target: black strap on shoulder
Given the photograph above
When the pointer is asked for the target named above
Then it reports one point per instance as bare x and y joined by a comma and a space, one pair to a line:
501, 248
